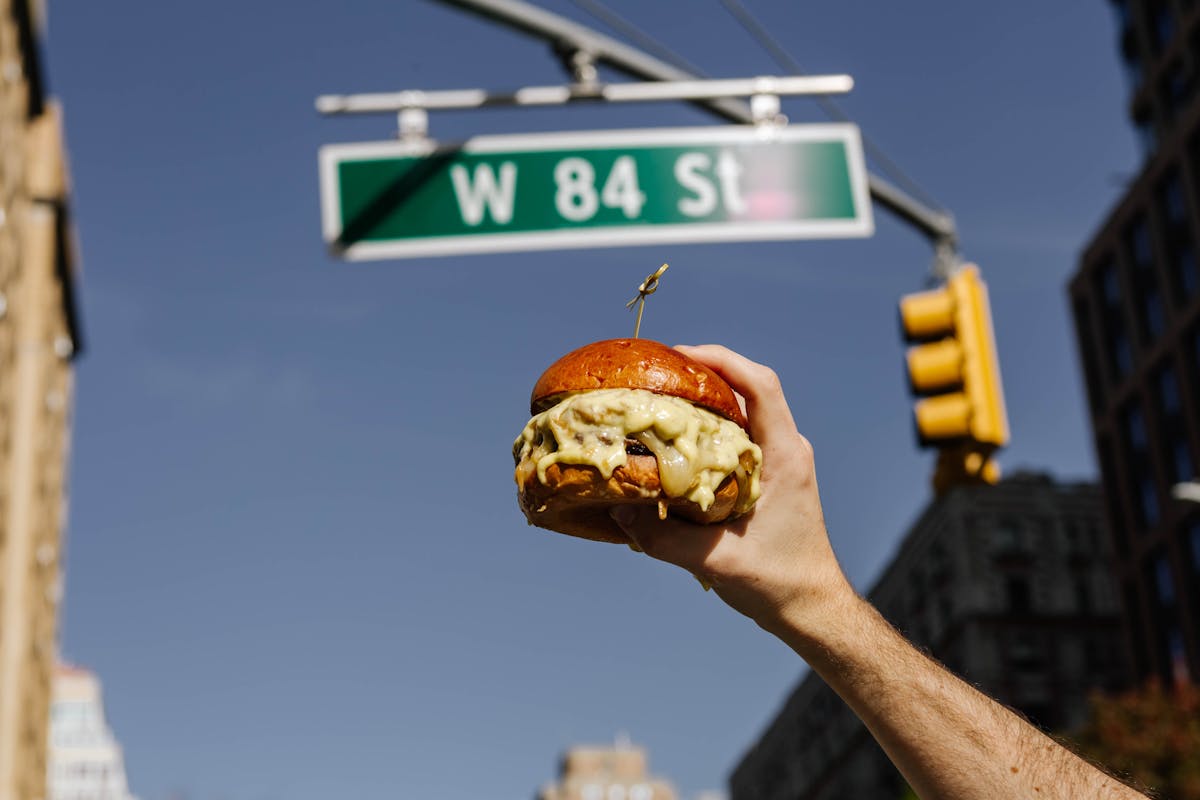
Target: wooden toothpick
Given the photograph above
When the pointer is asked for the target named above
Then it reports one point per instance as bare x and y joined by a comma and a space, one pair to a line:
647, 288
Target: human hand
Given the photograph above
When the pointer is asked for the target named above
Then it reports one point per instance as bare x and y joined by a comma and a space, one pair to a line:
776, 561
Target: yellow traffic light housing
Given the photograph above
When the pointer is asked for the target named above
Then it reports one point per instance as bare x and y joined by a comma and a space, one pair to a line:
953, 367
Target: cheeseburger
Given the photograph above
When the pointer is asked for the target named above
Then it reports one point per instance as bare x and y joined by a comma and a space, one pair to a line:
632, 421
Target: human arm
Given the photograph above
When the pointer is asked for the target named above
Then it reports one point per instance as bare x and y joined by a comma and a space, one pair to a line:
777, 567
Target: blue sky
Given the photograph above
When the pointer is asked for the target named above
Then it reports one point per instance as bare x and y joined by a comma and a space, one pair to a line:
295, 556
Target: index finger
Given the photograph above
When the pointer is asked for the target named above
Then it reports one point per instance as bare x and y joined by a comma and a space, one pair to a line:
758, 384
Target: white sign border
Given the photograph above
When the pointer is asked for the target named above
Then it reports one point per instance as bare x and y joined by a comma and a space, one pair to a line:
862, 225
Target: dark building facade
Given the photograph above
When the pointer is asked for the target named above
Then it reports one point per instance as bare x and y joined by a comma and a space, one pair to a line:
1136, 305
1010, 587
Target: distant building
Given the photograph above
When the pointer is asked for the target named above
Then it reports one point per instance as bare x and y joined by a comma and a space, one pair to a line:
1136, 304
85, 759
38, 337
606, 773
1007, 585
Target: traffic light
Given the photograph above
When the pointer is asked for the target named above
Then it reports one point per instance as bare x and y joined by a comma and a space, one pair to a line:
954, 370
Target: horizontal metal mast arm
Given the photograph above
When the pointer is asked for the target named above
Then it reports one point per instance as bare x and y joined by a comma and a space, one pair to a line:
936, 225
557, 95
567, 35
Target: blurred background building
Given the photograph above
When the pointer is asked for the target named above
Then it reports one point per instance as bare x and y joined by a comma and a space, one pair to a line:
38, 337
1007, 585
1136, 304
618, 772
85, 759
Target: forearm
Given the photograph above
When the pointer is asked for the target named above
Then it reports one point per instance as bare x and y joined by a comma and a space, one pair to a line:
777, 567
946, 738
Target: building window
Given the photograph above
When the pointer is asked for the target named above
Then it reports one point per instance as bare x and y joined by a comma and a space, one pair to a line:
1119, 350
1181, 254
1009, 540
1183, 269
1176, 87
1174, 431
1140, 248
1110, 286
1122, 353
1151, 317
1174, 203
1147, 501
1095, 654
1190, 569
1168, 392
1153, 320
1193, 536
1164, 584
1144, 492
939, 565
1196, 352
1112, 497
1181, 459
1191, 363
1172, 659
1025, 652
1135, 430
1083, 595
1018, 597
1072, 536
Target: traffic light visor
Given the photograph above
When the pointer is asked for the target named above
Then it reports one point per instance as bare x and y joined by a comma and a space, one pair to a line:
943, 418
927, 315
935, 366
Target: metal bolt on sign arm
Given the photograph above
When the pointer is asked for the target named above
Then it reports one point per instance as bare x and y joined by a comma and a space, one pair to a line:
578, 44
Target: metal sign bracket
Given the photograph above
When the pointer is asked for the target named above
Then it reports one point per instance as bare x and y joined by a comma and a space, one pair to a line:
413, 124
765, 108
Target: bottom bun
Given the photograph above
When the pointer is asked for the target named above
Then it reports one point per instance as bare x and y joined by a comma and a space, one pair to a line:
576, 499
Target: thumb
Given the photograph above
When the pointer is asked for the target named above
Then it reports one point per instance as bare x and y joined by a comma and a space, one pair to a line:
676, 541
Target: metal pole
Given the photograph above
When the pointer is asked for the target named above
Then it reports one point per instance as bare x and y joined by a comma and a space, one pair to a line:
570, 38
391, 102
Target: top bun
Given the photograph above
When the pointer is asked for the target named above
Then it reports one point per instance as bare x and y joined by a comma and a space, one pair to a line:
636, 364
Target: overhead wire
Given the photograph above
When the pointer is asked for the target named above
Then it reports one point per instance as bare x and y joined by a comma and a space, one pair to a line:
601, 12
760, 34
629, 30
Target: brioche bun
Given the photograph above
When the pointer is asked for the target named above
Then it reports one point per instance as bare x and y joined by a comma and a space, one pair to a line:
636, 364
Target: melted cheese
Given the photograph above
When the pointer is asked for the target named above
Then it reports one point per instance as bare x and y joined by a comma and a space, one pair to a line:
696, 449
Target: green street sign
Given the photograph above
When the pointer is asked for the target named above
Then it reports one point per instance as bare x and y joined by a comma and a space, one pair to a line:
594, 189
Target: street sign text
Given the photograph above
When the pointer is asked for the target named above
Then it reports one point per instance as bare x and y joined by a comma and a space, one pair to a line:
605, 188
